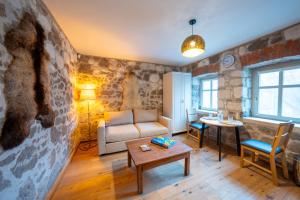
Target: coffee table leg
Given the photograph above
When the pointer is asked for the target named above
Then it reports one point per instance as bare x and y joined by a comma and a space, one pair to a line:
129, 159
139, 171
187, 165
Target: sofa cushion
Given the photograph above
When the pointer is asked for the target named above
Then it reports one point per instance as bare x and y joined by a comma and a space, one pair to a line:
151, 129
118, 118
145, 115
121, 133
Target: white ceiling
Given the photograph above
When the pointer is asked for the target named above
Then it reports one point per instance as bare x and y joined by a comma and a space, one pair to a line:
153, 30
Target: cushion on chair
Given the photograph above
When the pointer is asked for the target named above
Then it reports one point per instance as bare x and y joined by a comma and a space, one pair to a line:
121, 133
260, 145
198, 125
118, 118
145, 115
151, 129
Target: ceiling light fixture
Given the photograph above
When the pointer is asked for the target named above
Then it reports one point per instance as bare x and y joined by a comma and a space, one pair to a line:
193, 45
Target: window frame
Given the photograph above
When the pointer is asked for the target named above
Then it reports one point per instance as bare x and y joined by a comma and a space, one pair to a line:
280, 86
210, 78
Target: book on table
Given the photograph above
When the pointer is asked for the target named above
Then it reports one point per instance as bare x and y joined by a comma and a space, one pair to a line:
165, 142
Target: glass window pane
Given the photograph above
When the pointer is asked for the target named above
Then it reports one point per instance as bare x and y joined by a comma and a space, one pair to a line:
291, 102
206, 85
269, 79
268, 101
215, 99
291, 77
206, 99
215, 84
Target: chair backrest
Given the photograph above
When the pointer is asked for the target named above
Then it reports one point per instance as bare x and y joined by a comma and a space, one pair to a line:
191, 117
282, 136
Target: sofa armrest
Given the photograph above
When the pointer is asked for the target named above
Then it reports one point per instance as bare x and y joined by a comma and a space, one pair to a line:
101, 137
167, 122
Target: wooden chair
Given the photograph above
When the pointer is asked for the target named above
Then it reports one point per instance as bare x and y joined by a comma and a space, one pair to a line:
257, 147
192, 123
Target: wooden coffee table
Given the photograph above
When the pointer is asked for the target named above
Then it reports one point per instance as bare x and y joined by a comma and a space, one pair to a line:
156, 157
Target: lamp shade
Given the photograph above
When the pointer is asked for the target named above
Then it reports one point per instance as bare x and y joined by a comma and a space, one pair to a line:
87, 94
193, 46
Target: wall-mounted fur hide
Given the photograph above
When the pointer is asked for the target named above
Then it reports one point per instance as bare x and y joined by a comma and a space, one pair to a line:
27, 86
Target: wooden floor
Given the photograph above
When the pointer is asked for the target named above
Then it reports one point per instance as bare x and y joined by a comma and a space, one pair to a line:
108, 177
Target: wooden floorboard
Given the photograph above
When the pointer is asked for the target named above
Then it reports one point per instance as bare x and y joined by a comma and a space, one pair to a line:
107, 177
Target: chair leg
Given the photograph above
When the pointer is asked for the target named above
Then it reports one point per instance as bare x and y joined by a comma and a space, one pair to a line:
284, 165
242, 157
187, 131
273, 170
253, 157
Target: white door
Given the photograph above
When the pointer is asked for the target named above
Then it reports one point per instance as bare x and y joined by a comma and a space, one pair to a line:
181, 96
188, 92
182, 104
177, 99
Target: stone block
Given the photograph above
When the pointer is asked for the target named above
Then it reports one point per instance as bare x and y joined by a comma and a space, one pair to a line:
214, 59
294, 146
221, 82
238, 92
44, 21
203, 62
224, 94
131, 63
295, 136
276, 38
242, 50
236, 73
154, 78
292, 33
51, 51
258, 44
236, 82
234, 106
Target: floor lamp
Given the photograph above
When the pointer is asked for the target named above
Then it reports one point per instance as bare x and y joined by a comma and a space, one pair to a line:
87, 94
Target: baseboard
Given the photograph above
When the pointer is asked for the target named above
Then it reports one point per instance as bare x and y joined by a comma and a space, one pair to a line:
61, 173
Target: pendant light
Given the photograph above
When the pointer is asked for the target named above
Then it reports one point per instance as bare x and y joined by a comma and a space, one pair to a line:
193, 45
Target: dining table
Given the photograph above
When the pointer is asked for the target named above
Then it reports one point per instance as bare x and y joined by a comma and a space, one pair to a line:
214, 121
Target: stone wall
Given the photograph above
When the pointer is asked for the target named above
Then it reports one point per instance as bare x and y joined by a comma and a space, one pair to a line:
235, 81
119, 85
29, 170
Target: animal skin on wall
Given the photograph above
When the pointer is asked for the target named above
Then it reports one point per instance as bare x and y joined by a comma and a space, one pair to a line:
27, 86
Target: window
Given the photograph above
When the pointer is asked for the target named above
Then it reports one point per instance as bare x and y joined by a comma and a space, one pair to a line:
276, 94
209, 94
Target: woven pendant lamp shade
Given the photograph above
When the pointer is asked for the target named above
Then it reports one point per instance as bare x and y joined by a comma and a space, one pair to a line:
193, 45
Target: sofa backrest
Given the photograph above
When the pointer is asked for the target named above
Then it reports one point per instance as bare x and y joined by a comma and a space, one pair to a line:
145, 115
118, 118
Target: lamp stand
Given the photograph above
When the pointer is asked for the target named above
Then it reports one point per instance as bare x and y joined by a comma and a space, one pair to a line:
88, 144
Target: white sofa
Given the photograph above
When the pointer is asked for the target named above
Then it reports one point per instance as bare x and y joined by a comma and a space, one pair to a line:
119, 127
